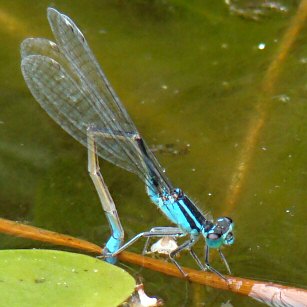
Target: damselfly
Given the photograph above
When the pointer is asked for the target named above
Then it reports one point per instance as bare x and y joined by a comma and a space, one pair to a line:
69, 84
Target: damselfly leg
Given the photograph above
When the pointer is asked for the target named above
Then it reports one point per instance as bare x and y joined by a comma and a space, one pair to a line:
209, 267
186, 246
156, 232
174, 232
225, 261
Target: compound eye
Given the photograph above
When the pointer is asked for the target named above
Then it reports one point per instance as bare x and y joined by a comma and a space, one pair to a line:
213, 236
228, 219
223, 224
229, 238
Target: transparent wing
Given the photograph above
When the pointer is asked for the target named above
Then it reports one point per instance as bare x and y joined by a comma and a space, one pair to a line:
75, 49
67, 104
67, 81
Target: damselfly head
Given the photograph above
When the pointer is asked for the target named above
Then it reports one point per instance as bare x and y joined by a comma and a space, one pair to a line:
220, 233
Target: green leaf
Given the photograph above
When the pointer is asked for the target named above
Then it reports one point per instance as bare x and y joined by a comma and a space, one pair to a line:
56, 278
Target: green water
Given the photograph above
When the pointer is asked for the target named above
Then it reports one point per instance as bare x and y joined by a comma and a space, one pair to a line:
190, 75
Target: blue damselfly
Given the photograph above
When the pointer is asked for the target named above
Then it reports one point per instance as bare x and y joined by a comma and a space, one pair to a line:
69, 84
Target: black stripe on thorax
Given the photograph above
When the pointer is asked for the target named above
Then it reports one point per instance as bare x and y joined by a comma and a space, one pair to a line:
187, 216
199, 217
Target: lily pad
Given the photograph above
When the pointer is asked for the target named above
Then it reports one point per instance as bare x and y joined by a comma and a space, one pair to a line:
56, 278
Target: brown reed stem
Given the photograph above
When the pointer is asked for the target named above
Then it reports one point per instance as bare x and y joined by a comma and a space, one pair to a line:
238, 285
